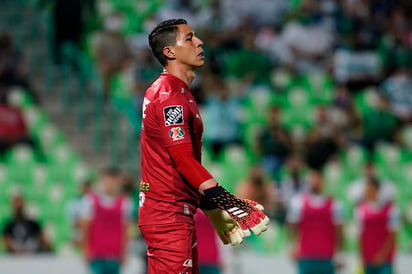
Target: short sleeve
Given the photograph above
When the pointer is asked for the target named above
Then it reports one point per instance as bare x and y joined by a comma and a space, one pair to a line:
394, 219
174, 117
86, 208
338, 215
127, 209
294, 212
358, 216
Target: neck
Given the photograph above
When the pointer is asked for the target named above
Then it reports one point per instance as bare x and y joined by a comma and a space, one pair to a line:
185, 74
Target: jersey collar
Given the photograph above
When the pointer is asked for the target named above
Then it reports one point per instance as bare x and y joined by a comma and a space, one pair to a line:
174, 78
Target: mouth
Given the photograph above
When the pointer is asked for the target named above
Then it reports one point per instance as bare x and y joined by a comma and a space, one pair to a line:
201, 55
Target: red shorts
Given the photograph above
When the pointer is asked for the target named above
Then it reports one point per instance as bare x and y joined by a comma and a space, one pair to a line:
172, 248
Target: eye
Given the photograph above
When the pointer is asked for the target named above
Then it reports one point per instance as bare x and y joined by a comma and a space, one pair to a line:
189, 39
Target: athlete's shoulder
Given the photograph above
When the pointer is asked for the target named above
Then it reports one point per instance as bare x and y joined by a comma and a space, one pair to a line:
164, 89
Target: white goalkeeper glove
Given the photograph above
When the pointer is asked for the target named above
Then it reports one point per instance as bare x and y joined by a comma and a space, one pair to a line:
228, 229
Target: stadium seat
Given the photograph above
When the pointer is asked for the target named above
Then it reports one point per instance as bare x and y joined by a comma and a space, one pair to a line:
21, 162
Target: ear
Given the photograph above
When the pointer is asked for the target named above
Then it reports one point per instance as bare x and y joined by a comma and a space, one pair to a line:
169, 52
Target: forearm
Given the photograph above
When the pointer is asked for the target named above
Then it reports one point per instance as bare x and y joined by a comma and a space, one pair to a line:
339, 238
207, 184
190, 168
387, 246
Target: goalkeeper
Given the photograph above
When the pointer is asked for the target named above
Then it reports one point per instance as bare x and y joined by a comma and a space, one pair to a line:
174, 183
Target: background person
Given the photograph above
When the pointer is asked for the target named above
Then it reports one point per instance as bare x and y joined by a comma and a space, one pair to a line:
378, 222
316, 229
105, 220
23, 235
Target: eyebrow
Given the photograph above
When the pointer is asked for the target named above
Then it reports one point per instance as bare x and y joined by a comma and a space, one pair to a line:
190, 34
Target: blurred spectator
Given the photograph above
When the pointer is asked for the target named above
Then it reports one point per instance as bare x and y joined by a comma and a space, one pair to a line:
396, 42
222, 119
274, 143
75, 207
345, 115
68, 24
188, 9
379, 124
258, 188
397, 88
323, 141
378, 223
105, 217
308, 42
208, 245
13, 71
13, 129
240, 65
23, 235
356, 189
355, 66
292, 184
316, 228
110, 49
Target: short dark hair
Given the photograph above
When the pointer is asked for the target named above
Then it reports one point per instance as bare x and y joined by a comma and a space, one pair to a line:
111, 171
374, 181
164, 34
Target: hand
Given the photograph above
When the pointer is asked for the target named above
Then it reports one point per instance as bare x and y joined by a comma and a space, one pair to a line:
228, 229
339, 262
294, 254
378, 260
248, 214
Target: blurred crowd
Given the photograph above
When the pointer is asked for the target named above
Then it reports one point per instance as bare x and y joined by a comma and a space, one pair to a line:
363, 48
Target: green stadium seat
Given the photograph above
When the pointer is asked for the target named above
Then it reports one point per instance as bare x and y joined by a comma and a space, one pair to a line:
320, 87
35, 119
19, 98
388, 159
281, 78
235, 165
20, 161
335, 179
353, 159
406, 136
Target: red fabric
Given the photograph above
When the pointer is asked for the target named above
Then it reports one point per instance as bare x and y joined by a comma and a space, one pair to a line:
374, 231
317, 238
170, 117
171, 248
12, 125
207, 240
106, 234
186, 164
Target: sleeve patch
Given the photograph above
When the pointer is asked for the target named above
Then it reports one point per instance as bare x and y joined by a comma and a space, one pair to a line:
173, 115
176, 133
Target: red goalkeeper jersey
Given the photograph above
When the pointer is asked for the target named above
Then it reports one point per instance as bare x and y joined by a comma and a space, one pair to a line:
170, 117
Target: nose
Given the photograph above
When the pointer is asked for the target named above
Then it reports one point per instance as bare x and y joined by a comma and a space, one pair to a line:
199, 42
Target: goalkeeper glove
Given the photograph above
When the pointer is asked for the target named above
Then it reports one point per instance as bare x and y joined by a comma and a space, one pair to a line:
246, 213
228, 229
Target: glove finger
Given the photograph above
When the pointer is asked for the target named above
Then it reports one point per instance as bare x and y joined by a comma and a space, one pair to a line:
236, 237
260, 207
225, 240
261, 227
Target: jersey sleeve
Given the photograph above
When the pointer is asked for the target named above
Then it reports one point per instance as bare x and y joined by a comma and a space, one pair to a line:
294, 211
338, 214
86, 208
174, 118
394, 219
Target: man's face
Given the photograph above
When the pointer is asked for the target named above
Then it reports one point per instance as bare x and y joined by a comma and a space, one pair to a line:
110, 184
316, 182
188, 49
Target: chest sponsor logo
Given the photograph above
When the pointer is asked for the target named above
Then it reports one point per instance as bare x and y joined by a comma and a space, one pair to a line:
176, 133
173, 115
